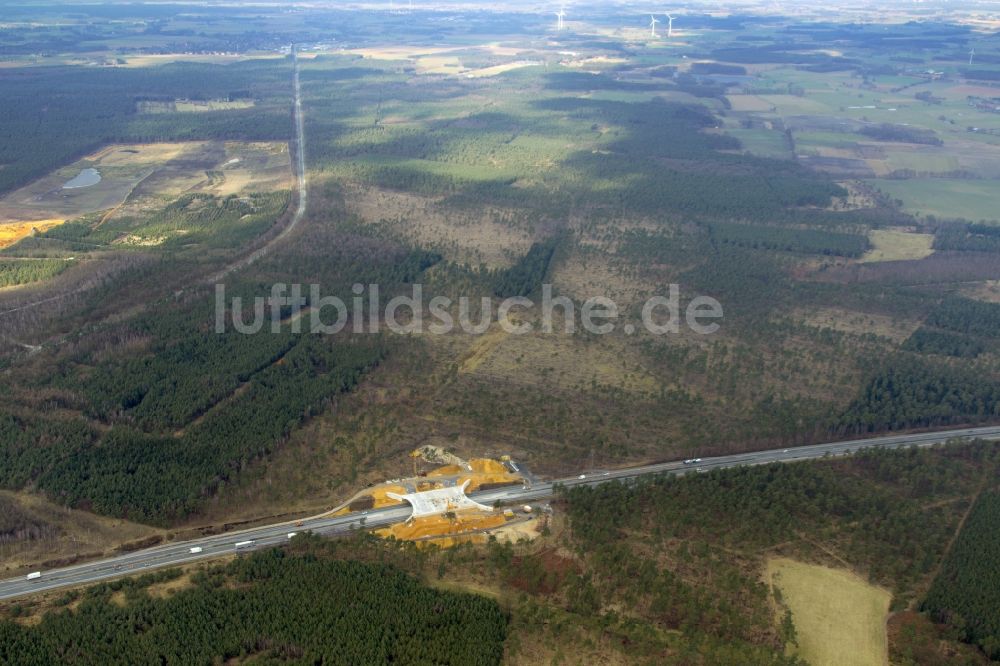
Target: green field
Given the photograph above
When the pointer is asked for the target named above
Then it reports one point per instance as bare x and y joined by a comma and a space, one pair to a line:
946, 198
839, 618
766, 143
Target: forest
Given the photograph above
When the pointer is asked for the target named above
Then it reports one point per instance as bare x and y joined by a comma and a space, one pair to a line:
872, 501
613, 166
207, 222
15, 272
901, 134
683, 554
967, 237
526, 276
814, 241
966, 593
269, 607
912, 392
53, 115
178, 417
959, 327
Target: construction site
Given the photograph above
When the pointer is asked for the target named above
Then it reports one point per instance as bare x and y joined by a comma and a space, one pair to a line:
443, 514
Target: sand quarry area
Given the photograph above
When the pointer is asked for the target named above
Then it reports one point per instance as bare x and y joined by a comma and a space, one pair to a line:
132, 173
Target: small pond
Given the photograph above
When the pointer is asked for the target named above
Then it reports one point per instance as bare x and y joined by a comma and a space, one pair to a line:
85, 178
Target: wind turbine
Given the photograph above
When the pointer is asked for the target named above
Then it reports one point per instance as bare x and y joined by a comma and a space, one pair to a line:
652, 26
971, 54
559, 18
670, 25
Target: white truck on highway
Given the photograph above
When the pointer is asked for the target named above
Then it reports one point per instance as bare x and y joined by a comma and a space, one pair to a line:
244, 544
196, 549
34, 575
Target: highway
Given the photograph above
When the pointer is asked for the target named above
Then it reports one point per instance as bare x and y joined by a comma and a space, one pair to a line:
178, 553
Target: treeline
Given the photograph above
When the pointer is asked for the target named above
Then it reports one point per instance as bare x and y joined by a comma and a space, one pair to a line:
966, 592
947, 343
269, 607
772, 53
968, 237
901, 134
709, 68
967, 316
15, 272
750, 283
642, 165
178, 380
659, 162
812, 241
582, 82
527, 275
981, 74
912, 392
760, 505
959, 327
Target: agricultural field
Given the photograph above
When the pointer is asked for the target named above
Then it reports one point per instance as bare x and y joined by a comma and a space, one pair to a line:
945, 198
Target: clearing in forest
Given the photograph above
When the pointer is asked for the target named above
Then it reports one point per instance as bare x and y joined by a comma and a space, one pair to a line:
895, 245
134, 171
839, 618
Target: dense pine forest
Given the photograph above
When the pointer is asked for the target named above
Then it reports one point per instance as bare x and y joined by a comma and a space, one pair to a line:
270, 607
14, 272
966, 593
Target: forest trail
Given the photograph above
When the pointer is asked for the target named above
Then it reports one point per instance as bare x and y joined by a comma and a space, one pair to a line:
300, 177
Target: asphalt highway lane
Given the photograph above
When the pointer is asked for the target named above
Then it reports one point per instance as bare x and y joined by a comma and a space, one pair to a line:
173, 554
